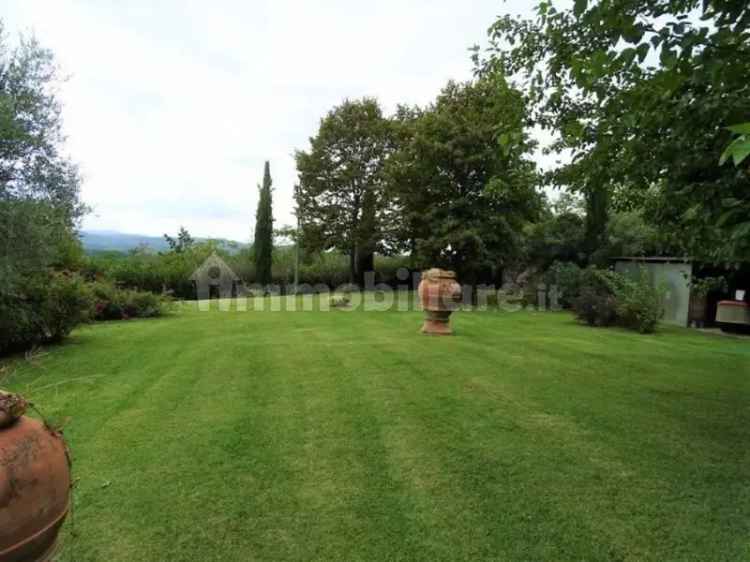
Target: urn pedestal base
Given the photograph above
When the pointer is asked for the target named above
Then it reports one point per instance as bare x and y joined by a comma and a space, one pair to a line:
437, 323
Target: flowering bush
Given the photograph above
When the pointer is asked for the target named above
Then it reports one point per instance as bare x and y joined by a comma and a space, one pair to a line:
113, 303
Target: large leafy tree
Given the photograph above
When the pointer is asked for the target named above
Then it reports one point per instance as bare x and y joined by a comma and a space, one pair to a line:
39, 185
32, 165
340, 197
641, 93
557, 235
39, 203
263, 242
462, 180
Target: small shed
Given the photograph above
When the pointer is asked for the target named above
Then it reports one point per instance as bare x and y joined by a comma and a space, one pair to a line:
674, 273
214, 278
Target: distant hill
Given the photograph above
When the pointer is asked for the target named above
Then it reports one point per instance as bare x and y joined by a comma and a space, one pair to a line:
96, 241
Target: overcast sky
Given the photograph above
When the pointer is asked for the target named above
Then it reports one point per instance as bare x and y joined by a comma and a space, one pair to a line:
172, 107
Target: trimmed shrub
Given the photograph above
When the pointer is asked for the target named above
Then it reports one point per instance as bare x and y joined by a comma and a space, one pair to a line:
43, 308
640, 305
596, 303
607, 297
327, 268
114, 303
595, 308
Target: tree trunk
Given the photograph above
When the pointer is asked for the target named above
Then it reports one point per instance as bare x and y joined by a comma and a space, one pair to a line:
296, 259
353, 264
597, 212
365, 263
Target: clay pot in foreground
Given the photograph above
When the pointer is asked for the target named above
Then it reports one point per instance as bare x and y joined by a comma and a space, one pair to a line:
34, 490
440, 294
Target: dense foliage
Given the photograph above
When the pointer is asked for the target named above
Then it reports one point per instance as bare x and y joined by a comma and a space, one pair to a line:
110, 302
739, 149
32, 166
566, 278
462, 182
640, 303
557, 235
595, 308
45, 308
605, 298
170, 272
642, 94
39, 204
340, 198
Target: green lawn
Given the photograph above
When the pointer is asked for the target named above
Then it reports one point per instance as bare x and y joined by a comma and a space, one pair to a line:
339, 435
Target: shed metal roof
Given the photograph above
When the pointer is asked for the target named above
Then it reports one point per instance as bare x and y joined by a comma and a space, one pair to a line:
654, 259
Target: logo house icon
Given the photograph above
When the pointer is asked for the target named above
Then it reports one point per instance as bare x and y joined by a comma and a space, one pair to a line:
214, 279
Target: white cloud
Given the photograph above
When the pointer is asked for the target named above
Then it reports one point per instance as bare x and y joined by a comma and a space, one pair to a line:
172, 107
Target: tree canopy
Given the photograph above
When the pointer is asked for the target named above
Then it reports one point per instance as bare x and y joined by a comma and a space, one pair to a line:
39, 186
340, 197
642, 94
32, 165
462, 180
181, 243
39, 203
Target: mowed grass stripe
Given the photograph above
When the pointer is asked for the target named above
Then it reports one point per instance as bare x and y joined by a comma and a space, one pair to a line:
477, 447
651, 436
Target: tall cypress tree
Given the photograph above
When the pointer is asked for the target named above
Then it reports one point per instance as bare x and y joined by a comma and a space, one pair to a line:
263, 243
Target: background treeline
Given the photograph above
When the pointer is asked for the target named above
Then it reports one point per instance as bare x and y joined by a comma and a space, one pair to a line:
555, 237
170, 272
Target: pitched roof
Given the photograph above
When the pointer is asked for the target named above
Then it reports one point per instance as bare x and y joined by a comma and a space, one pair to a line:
203, 271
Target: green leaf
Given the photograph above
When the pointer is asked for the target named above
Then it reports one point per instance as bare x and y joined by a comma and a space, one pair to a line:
668, 58
580, 7
633, 34
627, 56
727, 216
642, 51
741, 129
740, 152
741, 230
731, 202
599, 62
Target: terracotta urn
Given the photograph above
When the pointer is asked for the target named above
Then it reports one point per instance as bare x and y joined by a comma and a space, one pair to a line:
34, 484
439, 293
